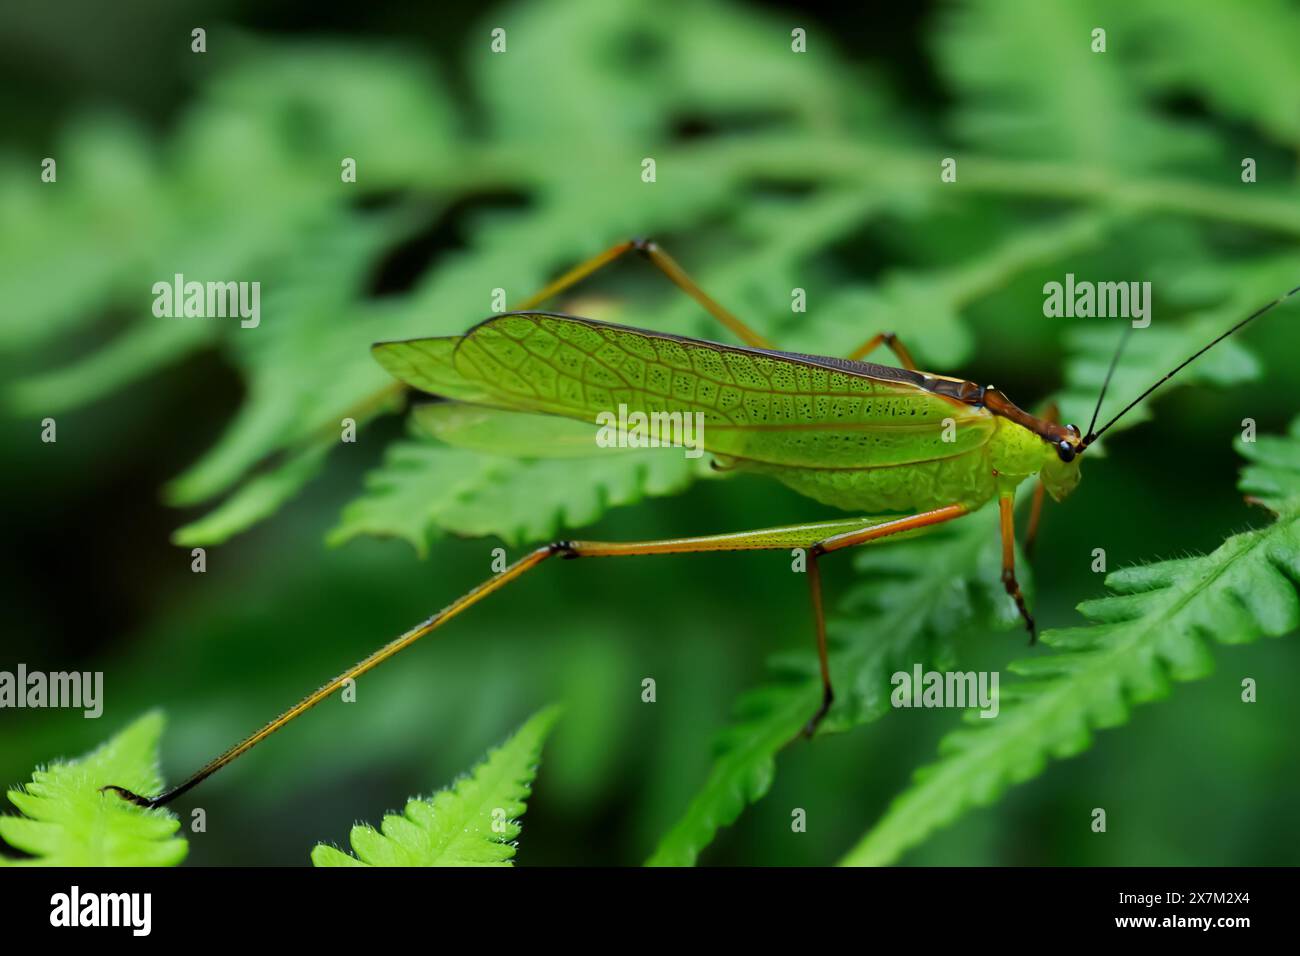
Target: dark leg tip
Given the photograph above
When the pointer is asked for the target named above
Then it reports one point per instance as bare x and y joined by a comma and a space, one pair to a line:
810, 728
130, 795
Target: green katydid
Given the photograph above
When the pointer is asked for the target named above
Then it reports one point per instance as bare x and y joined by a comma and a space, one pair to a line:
901, 449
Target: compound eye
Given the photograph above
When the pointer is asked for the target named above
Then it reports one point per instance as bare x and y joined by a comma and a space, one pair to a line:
1065, 451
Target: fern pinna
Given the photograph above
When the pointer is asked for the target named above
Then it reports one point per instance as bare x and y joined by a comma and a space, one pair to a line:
69, 821
472, 823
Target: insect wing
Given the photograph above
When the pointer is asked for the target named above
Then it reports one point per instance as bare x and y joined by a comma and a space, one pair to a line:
753, 404
426, 365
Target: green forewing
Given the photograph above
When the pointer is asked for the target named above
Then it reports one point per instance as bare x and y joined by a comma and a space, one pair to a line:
426, 364
756, 404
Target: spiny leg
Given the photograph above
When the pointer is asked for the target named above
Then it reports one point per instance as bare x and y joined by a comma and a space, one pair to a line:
400, 643
1006, 508
839, 535
665, 264
803, 535
891, 342
823, 657
849, 539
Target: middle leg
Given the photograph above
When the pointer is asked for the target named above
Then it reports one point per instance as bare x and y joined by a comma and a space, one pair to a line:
666, 264
1006, 508
849, 539
891, 342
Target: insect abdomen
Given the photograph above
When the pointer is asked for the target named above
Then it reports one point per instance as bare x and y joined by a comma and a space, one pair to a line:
966, 478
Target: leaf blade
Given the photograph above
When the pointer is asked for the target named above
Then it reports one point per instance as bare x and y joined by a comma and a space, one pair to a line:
67, 821
471, 823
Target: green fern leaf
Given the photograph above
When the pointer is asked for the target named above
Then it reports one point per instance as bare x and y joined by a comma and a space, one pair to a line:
67, 821
299, 387
425, 490
259, 497
912, 597
1155, 628
473, 823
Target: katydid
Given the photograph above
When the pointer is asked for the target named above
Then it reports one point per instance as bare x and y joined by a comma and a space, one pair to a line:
900, 449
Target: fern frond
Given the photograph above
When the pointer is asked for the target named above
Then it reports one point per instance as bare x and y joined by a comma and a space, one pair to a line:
473, 823
67, 821
424, 490
912, 597
1155, 628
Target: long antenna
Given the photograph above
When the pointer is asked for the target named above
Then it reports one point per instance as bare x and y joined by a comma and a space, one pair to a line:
1114, 361
1094, 435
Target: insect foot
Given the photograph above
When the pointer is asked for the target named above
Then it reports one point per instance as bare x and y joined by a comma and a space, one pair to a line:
1013, 588
130, 795
810, 728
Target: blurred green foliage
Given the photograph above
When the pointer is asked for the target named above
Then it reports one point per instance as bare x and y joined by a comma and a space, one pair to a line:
775, 170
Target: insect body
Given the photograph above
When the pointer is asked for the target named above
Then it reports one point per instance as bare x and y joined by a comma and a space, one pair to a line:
985, 455
851, 434
902, 448
899, 449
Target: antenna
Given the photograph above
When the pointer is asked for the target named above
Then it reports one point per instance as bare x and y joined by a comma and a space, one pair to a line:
1092, 436
1119, 350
